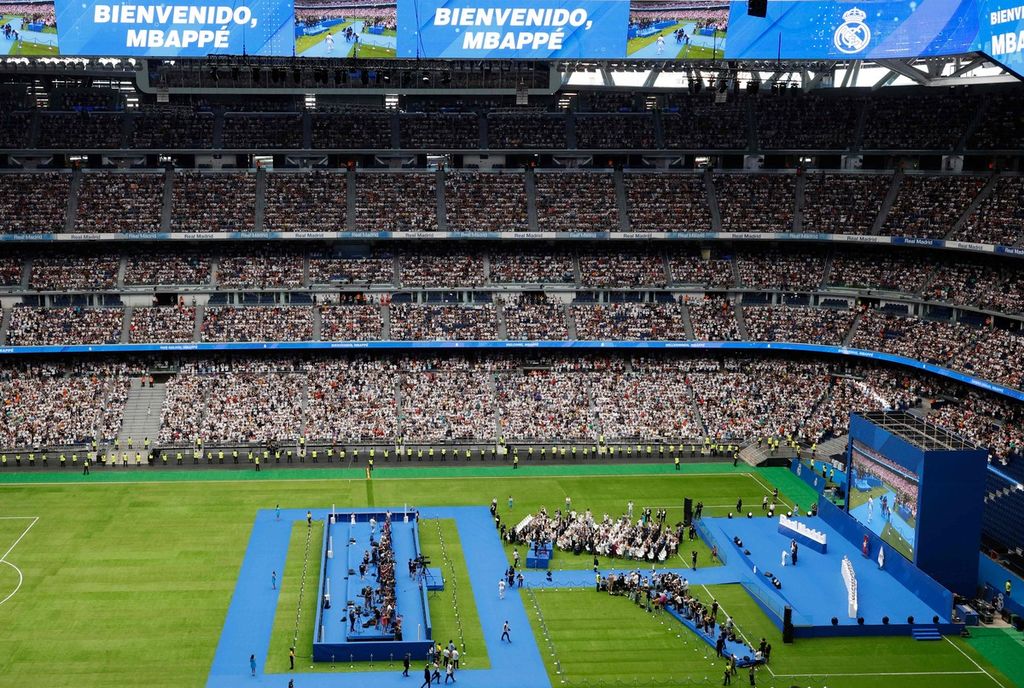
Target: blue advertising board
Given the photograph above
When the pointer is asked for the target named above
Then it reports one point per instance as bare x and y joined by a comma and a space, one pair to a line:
192, 29
521, 29
513, 28
841, 29
1001, 33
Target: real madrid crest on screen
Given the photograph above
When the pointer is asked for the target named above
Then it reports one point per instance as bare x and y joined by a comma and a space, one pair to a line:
853, 35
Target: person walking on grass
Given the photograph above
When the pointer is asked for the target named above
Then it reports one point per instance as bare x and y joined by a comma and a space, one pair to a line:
291, 658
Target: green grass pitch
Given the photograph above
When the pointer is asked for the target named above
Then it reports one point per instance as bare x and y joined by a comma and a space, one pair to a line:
128, 583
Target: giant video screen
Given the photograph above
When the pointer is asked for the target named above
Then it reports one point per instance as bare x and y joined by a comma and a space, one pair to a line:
884, 497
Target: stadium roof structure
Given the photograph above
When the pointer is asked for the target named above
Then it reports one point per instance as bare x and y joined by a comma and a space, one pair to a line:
917, 431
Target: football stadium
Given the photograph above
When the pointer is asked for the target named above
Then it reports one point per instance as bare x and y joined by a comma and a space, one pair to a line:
500, 344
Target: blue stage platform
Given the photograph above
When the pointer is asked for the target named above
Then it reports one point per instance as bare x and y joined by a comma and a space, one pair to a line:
335, 638
814, 588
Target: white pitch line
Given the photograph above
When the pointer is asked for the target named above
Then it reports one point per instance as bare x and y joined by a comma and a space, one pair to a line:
768, 489
18, 586
766, 665
3, 559
971, 659
890, 673
24, 533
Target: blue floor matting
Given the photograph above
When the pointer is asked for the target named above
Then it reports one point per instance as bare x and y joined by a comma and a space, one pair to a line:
250, 616
814, 588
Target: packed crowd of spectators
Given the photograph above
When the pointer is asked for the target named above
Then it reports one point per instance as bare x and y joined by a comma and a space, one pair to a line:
551, 398
80, 130
797, 324
714, 272
988, 421
622, 268
999, 219
667, 203
1008, 297
314, 201
862, 389
119, 203
49, 404
440, 131
843, 203
448, 399
713, 320
553, 266
929, 205
182, 412
964, 283
632, 132
352, 129
438, 269
526, 130
169, 324
352, 400
485, 202
630, 321
577, 202
262, 131
930, 341
653, 404
257, 324
915, 121
699, 122
1001, 126
543, 405
395, 202
421, 321
268, 267
179, 267
756, 202
74, 272
534, 316
222, 202
34, 203
170, 127
781, 270
355, 321
994, 354
759, 398
375, 267
886, 271
243, 406
31, 326
807, 122
10, 271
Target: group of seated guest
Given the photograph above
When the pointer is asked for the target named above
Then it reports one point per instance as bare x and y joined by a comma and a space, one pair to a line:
579, 532
379, 602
